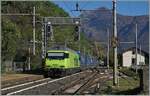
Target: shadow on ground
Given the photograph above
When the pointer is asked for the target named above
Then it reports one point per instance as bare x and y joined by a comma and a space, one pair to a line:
134, 91
35, 71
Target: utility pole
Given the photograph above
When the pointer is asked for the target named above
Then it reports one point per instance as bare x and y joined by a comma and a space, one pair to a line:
79, 33
43, 45
29, 59
136, 47
115, 70
140, 53
45, 37
34, 30
33, 22
52, 34
66, 43
80, 37
108, 48
42, 38
84, 55
97, 51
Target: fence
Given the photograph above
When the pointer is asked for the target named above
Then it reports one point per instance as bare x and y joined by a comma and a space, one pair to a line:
7, 66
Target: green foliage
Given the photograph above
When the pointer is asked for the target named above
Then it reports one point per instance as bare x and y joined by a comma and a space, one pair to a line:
17, 30
127, 86
128, 72
10, 34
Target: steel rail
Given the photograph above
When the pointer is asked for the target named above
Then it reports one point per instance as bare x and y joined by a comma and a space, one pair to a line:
31, 87
78, 81
19, 85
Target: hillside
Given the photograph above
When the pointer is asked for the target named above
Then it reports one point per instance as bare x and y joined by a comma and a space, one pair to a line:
17, 30
96, 22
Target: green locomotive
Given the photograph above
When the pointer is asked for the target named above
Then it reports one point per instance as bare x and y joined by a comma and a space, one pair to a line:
61, 62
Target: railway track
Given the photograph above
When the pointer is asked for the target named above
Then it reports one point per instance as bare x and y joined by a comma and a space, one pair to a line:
22, 88
16, 79
74, 83
48, 86
80, 86
11, 89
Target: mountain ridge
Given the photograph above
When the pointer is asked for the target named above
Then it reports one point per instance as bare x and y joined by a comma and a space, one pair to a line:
101, 19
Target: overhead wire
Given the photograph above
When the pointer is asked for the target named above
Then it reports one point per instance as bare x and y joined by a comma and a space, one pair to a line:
84, 6
68, 7
80, 8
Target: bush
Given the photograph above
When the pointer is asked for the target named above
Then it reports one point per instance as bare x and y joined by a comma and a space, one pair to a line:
128, 71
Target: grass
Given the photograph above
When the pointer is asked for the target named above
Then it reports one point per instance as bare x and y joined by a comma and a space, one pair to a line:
129, 85
126, 86
128, 71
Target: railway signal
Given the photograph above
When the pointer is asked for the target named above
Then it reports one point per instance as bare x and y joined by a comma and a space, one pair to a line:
76, 35
77, 31
47, 29
49, 32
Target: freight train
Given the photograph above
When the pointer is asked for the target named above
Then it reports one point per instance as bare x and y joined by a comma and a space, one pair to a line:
64, 62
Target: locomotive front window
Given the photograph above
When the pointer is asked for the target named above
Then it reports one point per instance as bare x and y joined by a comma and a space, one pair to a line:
56, 55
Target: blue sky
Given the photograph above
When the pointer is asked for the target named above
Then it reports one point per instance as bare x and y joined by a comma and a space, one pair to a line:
124, 7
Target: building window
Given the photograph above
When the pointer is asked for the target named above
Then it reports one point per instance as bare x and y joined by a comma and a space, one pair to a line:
133, 52
133, 60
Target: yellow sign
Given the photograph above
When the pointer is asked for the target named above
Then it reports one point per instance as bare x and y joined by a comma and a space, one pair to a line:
114, 42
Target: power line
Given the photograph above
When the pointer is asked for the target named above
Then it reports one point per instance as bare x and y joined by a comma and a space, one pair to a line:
86, 3
18, 14
67, 6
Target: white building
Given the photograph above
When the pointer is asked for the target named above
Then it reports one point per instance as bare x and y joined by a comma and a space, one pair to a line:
129, 57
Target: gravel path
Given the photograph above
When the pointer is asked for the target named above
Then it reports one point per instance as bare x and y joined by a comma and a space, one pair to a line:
14, 79
47, 87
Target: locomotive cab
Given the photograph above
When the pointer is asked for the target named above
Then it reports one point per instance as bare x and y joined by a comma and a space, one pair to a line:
58, 62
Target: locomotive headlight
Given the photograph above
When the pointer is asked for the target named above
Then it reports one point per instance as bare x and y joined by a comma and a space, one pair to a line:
47, 66
49, 23
77, 22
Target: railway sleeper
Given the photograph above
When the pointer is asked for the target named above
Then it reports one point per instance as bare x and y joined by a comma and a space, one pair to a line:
78, 81
88, 85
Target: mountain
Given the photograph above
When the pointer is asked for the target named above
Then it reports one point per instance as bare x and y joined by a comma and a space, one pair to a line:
95, 24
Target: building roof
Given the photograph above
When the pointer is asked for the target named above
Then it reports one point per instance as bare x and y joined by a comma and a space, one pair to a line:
134, 48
